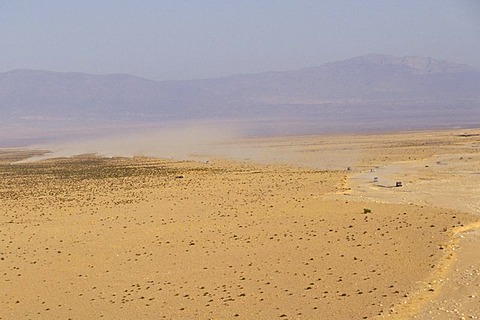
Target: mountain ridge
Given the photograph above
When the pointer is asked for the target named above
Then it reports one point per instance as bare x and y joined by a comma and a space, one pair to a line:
415, 62
423, 65
395, 87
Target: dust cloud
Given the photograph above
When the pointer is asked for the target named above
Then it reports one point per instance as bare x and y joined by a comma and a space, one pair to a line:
202, 141
184, 142
198, 141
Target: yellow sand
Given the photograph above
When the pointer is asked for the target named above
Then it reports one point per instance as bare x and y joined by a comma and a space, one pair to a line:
86, 237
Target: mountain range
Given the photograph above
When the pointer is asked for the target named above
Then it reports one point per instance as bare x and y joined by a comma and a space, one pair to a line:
365, 91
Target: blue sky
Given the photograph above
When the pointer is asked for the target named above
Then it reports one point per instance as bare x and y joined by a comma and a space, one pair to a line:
200, 39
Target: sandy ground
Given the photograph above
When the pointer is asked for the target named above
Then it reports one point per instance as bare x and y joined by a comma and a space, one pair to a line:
119, 238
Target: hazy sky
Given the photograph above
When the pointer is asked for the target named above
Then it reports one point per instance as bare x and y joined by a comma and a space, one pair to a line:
205, 38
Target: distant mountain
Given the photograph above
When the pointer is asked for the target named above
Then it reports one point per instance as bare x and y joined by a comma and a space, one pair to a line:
372, 83
372, 79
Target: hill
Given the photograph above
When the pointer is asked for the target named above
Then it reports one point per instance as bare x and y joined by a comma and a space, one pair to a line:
361, 92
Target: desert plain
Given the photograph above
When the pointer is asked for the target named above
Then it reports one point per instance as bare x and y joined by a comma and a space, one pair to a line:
306, 227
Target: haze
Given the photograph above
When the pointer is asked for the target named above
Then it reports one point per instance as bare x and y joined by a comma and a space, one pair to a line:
168, 40
83, 71
332, 158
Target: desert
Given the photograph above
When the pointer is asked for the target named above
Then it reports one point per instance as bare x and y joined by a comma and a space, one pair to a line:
239, 160
291, 227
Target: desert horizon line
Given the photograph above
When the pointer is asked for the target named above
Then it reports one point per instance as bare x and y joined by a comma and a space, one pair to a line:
246, 73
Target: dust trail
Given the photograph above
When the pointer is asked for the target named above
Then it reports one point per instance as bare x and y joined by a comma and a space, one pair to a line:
206, 140
182, 142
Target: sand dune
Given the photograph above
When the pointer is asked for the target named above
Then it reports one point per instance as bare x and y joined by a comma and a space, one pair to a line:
88, 237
